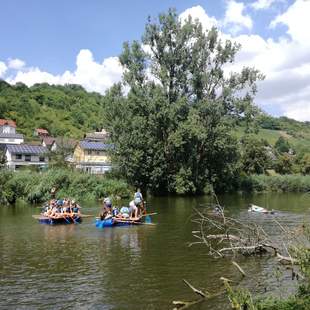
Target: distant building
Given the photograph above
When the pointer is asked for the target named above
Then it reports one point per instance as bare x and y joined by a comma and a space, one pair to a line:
92, 157
20, 155
8, 133
47, 141
98, 136
64, 143
41, 132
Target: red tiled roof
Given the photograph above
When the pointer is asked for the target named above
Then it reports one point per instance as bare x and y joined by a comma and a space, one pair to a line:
42, 131
7, 122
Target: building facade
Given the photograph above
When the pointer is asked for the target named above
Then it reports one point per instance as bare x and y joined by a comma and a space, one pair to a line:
92, 157
20, 155
8, 133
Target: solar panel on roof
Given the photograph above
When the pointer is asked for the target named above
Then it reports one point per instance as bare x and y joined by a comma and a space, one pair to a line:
26, 149
87, 145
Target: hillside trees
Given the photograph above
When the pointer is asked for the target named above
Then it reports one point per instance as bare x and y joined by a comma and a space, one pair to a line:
64, 110
172, 130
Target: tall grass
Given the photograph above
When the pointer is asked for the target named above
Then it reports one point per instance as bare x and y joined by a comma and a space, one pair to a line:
277, 183
35, 187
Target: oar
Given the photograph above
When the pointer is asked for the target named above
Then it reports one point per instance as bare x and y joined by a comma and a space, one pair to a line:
148, 214
133, 222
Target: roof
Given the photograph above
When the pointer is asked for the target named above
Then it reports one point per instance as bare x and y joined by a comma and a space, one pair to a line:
48, 140
26, 149
42, 131
12, 135
66, 142
7, 122
98, 146
98, 135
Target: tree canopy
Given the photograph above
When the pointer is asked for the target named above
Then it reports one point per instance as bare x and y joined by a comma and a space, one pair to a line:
172, 127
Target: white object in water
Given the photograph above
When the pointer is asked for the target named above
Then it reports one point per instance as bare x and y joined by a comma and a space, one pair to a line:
254, 208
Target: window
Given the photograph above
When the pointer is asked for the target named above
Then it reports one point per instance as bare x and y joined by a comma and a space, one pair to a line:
97, 152
19, 156
41, 158
27, 157
89, 152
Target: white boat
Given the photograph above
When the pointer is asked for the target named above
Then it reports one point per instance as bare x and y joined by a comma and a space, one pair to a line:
254, 208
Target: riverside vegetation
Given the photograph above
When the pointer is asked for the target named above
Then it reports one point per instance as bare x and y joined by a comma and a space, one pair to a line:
180, 125
35, 187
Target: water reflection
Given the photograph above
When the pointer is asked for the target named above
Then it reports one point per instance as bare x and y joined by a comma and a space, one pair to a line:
79, 266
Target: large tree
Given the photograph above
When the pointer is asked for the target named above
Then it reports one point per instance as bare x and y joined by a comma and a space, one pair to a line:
172, 127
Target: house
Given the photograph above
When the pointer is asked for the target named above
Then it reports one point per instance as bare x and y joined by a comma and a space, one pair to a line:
8, 133
41, 132
47, 141
98, 136
19, 155
92, 157
63, 143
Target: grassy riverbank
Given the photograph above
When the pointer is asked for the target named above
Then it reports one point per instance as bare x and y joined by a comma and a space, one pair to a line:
277, 183
35, 187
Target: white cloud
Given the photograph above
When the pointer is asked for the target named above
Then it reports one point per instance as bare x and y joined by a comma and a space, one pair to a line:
263, 4
285, 61
197, 12
90, 74
296, 18
16, 64
235, 20
3, 68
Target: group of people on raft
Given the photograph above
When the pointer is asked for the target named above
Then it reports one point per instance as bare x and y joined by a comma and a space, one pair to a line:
61, 208
133, 212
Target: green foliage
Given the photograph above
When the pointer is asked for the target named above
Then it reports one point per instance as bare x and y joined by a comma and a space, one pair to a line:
175, 134
255, 157
284, 164
63, 110
305, 164
35, 187
278, 183
282, 145
2, 158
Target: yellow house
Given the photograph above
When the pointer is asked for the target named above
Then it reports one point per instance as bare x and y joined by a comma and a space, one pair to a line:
92, 157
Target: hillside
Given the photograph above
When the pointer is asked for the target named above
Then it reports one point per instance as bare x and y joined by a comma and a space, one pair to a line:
71, 111
64, 110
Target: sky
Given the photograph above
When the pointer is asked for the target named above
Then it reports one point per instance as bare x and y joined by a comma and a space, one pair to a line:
78, 41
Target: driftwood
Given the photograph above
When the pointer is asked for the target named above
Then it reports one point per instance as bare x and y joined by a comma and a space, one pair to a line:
180, 304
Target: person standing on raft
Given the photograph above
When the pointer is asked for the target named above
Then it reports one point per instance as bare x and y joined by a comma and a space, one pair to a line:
140, 202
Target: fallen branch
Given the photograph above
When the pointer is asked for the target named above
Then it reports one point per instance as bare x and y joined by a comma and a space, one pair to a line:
286, 260
239, 268
198, 292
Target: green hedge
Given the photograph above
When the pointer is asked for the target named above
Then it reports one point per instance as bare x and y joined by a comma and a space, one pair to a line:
278, 183
35, 187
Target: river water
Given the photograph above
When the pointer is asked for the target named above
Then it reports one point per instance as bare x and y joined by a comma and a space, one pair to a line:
139, 267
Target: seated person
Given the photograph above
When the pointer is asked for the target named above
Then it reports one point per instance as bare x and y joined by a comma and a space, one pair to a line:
124, 213
75, 207
106, 208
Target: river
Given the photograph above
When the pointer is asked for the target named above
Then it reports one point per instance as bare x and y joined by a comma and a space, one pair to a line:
140, 267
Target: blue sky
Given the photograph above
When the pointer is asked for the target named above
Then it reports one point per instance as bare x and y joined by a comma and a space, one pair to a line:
49, 34
77, 41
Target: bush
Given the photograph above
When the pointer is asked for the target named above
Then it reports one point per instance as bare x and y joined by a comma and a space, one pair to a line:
277, 183
35, 187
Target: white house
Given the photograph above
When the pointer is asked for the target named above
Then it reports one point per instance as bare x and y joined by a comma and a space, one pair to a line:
19, 155
8, 133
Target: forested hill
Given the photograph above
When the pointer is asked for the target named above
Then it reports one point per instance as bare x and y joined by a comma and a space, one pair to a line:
71, 111
63, 110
